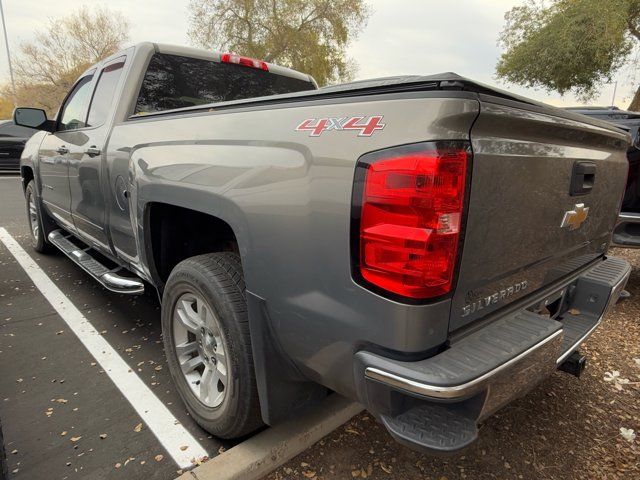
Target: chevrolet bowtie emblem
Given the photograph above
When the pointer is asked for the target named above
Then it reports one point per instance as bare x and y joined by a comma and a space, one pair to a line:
574, 218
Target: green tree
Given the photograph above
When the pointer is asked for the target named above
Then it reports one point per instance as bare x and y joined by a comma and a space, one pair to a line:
46, 68
308, 35
569, 45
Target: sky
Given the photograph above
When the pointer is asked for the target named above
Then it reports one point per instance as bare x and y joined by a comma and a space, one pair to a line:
401, 37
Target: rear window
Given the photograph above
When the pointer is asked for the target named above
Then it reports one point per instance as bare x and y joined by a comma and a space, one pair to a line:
173, 81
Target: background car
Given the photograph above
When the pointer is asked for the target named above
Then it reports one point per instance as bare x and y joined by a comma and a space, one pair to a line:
12, 140
627, 230
4, 473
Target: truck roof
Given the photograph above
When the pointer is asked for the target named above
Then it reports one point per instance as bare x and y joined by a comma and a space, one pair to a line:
192, 52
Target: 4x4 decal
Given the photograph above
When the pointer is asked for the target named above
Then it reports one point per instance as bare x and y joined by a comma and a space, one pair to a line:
366, 126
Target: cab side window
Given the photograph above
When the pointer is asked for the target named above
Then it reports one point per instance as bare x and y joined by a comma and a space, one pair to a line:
73, 114
103, 97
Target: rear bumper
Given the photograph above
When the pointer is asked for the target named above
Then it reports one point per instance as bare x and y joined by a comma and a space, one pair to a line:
626, 234
435, 404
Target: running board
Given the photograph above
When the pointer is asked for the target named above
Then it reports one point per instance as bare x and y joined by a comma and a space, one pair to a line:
109, 279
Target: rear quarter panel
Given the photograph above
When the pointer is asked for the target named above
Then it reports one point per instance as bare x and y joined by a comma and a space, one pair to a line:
287, 196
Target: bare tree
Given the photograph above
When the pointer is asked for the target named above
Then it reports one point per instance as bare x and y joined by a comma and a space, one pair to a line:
47, 67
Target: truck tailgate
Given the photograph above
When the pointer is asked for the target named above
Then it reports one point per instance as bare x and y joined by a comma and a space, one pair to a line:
525, 159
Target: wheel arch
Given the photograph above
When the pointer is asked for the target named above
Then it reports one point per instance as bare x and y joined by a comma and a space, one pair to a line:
26, 173
282, 388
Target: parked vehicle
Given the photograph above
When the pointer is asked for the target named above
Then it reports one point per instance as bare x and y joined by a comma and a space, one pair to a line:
427, 246
627, 231
12, 140
4, 469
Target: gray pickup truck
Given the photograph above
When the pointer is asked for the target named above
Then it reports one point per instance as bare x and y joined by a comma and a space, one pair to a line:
427, 246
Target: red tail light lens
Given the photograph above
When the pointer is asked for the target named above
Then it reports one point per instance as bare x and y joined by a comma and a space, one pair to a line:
410, 218
244, 61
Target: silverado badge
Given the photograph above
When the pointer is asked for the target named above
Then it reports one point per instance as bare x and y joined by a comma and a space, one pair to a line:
574, 218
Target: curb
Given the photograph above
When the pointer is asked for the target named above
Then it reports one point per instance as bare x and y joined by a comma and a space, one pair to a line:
266, 451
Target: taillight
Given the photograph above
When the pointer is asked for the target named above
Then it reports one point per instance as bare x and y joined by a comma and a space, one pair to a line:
410, 216
244, 61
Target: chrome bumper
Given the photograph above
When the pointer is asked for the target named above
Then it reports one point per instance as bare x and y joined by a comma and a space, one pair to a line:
487, 369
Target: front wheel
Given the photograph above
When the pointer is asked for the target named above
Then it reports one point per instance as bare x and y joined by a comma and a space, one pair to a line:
37, 224
207, 343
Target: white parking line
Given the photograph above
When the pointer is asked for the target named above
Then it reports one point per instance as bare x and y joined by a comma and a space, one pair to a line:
173, 436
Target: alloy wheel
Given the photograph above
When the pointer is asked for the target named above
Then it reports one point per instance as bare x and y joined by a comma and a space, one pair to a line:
200, 349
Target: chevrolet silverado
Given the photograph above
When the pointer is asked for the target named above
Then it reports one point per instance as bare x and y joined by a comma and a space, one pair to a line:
428, 246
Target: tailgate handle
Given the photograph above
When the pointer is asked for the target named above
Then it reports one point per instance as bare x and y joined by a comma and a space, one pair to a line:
583, 178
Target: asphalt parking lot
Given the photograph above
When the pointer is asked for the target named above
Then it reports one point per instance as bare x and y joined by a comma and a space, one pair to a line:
70, 410
65, 412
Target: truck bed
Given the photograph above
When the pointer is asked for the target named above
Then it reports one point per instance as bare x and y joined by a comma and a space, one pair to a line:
446, 81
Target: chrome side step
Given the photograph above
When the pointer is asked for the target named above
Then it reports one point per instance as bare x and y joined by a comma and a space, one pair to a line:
109, 279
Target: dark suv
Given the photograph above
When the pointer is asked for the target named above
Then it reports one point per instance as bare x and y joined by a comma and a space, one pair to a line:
627, 231
12, 140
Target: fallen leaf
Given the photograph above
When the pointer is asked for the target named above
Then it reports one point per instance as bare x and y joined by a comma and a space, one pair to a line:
14, 451
614, 376
574, 311
103, 436
183, 447
158, 458
309, 474
158, 368
62, 400
137, 428
385, 468
75, 439
63, 433
628, 434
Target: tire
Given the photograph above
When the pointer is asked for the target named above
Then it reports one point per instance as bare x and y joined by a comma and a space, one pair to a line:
211, 283
39, 227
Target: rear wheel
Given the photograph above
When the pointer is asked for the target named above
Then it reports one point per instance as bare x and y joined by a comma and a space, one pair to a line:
206, 337
39, 227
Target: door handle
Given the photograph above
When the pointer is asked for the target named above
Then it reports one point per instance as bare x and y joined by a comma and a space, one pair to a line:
62, 150
92, 151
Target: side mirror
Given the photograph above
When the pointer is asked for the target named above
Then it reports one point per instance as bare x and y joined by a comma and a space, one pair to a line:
32, 118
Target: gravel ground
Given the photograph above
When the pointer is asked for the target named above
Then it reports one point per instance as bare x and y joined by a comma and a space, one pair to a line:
565, 428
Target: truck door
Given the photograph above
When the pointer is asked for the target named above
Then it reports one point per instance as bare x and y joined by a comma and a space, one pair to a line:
55, 148
86, 174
